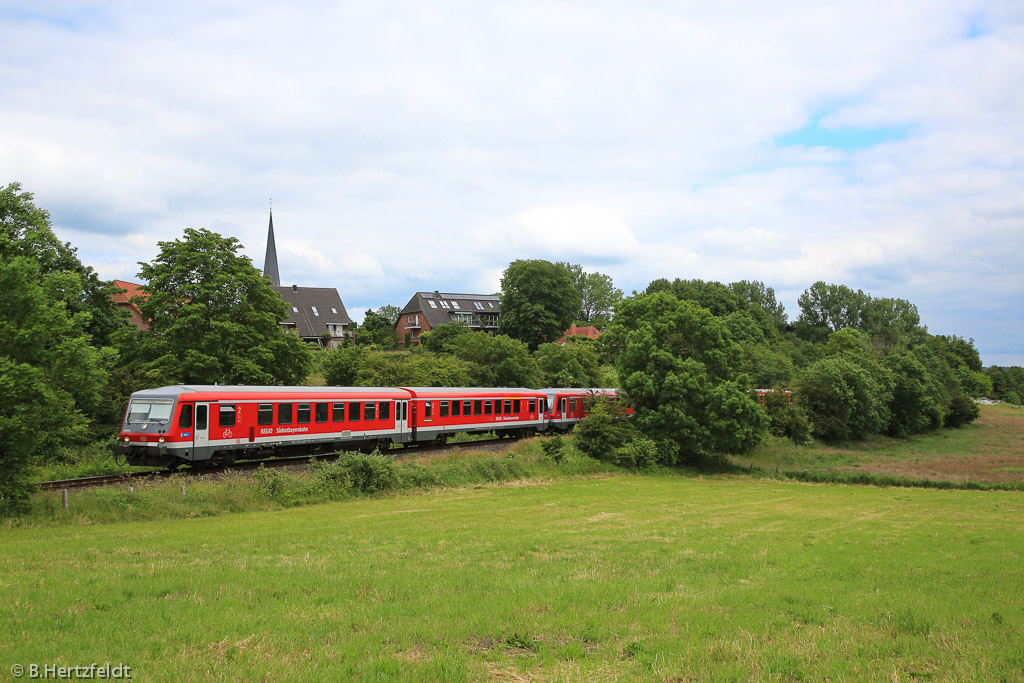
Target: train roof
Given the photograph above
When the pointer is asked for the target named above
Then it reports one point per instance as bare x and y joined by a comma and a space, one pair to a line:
426, 392
580, 391
252, 392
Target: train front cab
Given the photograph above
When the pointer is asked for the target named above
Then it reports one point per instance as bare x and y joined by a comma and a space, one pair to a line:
151, 434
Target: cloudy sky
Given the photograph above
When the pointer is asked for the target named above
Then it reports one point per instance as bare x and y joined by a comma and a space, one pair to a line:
423, 145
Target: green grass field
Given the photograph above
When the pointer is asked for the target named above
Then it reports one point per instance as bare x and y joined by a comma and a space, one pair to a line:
611, 577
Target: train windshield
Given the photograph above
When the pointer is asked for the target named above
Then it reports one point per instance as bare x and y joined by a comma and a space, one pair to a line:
150, 410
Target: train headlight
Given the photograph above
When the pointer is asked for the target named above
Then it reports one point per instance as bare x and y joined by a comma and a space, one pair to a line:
126, 439
160, 440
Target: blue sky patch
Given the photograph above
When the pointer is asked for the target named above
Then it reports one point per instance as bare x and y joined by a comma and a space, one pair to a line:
843, 137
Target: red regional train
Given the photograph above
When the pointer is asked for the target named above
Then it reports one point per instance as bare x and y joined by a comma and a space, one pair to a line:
170, 426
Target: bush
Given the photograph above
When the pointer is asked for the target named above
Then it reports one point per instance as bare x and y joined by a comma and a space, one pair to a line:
553, 447
641, 452
603, 431
962, 410
785, 418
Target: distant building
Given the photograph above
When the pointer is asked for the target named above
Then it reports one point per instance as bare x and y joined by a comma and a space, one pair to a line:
588, 331
313, 311
427, 310
123, 301
270, 260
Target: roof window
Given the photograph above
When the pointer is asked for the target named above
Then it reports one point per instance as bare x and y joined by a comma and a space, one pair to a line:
432, 304
294, 309
334, 310
478, 305
455, 304
490, 304
315, 312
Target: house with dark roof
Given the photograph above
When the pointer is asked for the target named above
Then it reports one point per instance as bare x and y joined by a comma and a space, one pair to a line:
427, 310
313, 311
123, 300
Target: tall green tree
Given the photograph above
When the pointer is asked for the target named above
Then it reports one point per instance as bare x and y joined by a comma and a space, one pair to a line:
214, 317
755, 293
26, 230
598, 294
538, 301
677, 366
826, 308
51, 372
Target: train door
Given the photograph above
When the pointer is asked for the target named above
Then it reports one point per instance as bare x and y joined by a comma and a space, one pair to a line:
401, 421
562, 408
201, 432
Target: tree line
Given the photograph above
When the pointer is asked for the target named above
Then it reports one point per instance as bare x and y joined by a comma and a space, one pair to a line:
686, 353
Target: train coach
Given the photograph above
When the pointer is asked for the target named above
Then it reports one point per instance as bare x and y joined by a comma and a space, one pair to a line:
170, 426
566, 407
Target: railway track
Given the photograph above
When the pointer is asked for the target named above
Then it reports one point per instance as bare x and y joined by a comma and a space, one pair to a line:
241, 466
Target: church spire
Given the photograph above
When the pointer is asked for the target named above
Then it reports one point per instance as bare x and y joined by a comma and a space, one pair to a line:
270, 262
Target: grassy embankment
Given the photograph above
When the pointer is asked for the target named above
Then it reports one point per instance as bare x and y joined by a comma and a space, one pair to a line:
625, 577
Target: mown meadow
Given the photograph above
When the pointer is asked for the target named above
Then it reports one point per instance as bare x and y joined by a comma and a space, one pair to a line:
526, 566
625, 577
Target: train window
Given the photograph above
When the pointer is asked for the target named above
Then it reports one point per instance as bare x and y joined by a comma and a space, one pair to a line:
532, 405
478, 407
426, 410
508, 406
200, 418
354, 411
338, 412
497, 407
572, 405
517, 406
405, 410
185, 419
444, 409
385, 410
265, 414
487, 408
321, 412
150, 410
226, 416
467, 407
456, 408
284, 413
370, 411
303, 414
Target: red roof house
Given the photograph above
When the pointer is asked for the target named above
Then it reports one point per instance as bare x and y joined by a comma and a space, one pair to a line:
123, 300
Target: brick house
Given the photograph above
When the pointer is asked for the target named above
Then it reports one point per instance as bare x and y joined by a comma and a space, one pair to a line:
427, 310
313, 311
123, 301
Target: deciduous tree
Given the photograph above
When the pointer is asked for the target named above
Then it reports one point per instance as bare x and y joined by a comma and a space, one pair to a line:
538, 301
214, 317
677, 367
